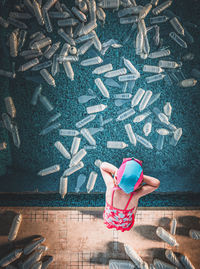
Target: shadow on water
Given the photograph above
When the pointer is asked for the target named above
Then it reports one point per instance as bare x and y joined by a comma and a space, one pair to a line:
6, 219
97, 214
187, 222
165, 223
148, 232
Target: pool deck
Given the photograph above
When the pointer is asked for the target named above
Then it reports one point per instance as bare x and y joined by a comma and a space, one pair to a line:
77, 237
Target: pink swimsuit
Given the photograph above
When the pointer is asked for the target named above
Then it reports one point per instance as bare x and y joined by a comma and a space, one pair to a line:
118, 218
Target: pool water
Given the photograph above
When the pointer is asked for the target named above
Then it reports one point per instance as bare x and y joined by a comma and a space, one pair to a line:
176, 167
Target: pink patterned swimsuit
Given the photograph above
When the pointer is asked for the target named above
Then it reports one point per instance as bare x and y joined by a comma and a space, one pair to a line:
118, 218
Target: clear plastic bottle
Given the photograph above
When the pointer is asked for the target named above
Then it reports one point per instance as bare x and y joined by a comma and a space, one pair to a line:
162, 131
152, 69
160, 264
49, 170
11, 257
112, 83
80, 181
137, 97
114, 4
145, 11
145, 100
195, 234
159, 54
43, 99
33, 245
53, 118
177, 26
52, 50
165, 236
73, 169
116, 144
7, 74
63, 186
167, 109
169, 254
15, 135
68, 70
7, 123
98, 163
147, 127
96, 108
177, 135
128, 77
178, 40
139, 43
122, 96
115, 73
88, 136
91, 61
168, 64
88, 28
10, 107
117, 264
173, 226
79, 14
68, 132
28, 65
48, 4
128, 20
133, 255
41, 66
102, 87
160, 142
77, 157
143, 141
47, 76
75, 145
130, 134
85, 120
15, 227
153, 98
128, 113
102, 69
142, 116
85, 98
161, 7
33, 258
186, 262
62, 149
154, 78
41, 43
91, 181
158, 19
190, 82
47, 21
66, 37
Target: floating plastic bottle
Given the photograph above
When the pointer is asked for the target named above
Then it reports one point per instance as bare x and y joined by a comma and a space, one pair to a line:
177, 135
10, 107
77, 157
38, 12
102, 69
188, 57
43, 99
102, 87
85, 98
66, 37
96, 108
159, 54
168, 64
131, 67
7, 123
67, 22
91, 61
163, 118
145, 100
55, 65
128, 20
162, 131
16, 23
63, 186
13, 43
137, 97
37, 265
7, 74
128, 113
33, 258
133, 255
145, 11
121, 102
160, 142
169, 254
49, 4
161, 7
158, 19
73, 169
97, 42
147, 127
186, 262
177, 26
178, 40
130, 134
46, 262
79, 14
114, 4
49, 170
154, 78
143, 141
153, 98
85, 121
112, 83
15, 227
85, 37
88, 136
68, 132
167, 237
152, 69
116, 145
128, 77
141, 117
70, 58
162, 265
11, 257
47, 76
41, 43
47, 21
80, 181
195, 234
28, 65
88, 28
91, 181
173, 226
15, 135
122, 96
98, 163
52, 50
62, 149
115, 73
41, 66
59, 15
33, 245
53, 118
117, 264
75, 145
167, 109
151, 266
191, 82
68, 70
139, 43
3, 22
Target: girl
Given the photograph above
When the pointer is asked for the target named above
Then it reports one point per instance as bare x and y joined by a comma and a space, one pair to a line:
123, 192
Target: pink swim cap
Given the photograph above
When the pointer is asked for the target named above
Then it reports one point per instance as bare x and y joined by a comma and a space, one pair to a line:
130, 175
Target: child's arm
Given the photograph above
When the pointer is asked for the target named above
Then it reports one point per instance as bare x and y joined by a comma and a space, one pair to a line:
107, 171
151, 185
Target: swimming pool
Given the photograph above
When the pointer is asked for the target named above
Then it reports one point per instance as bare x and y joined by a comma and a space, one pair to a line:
176, 167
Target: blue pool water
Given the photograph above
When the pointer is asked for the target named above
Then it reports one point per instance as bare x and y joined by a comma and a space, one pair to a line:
176, 167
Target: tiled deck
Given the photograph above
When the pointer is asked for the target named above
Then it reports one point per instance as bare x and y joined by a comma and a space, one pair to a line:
77, 237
